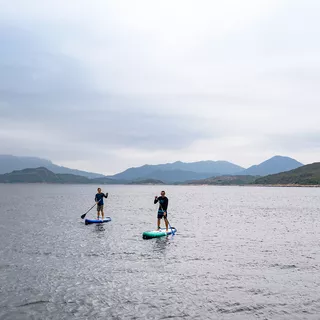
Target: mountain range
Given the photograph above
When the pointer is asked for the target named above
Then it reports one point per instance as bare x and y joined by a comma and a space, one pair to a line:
44, 175
305, 175
271, 166
176, 172
181, 171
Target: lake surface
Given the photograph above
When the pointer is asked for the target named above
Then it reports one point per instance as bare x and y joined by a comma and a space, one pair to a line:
240, 253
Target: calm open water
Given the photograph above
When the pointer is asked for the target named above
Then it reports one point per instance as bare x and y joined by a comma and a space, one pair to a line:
240, 253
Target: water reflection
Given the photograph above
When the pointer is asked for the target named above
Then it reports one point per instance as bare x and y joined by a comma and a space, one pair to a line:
160, 244
99, 227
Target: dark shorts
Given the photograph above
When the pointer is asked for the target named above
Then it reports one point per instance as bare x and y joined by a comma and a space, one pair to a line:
161, 215
100, 208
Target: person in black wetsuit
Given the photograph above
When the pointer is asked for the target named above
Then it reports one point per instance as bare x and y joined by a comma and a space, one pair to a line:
99, 201
163, 207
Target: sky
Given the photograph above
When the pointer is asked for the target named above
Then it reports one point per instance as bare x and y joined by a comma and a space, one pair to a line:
103, 85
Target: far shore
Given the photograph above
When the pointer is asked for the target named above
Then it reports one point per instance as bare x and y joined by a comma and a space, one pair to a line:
258, 185
181, 185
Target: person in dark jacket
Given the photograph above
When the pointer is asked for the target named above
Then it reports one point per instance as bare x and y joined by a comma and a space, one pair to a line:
162, 211
99, 201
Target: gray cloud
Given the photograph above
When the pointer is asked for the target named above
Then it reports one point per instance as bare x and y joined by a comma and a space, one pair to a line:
127, 82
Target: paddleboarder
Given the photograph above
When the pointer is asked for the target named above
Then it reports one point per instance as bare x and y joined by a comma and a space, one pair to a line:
162, 211
99, 201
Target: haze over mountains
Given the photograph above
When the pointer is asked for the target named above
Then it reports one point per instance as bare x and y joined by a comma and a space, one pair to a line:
271, 166
179, 171
308, 175
168, 173
44, 175
9, 163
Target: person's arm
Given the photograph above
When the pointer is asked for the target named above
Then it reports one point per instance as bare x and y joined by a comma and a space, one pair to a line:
105, 195
165, 205
156, 200
95, 199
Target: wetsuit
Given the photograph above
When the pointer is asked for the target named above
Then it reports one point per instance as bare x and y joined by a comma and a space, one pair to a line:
99, 198
163, 206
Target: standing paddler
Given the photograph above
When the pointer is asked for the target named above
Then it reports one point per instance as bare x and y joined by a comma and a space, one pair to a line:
162, 211
99, 201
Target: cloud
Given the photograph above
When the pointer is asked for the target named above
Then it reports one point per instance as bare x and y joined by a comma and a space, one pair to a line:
120, 83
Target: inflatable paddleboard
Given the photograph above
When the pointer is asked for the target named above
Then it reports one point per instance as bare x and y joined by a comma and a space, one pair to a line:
157, 234
91, 221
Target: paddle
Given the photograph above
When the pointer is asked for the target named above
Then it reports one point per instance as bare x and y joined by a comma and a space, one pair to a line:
84, 215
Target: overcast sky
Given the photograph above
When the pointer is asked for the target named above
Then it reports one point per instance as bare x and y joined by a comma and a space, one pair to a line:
107, 85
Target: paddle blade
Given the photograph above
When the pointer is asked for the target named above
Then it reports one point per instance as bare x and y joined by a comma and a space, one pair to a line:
83, 216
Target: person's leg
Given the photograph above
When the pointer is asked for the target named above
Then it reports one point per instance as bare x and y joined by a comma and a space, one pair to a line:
102, 213
159, 220
98, 212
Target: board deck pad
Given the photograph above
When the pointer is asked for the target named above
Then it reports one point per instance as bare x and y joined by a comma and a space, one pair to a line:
91, 221
157, 234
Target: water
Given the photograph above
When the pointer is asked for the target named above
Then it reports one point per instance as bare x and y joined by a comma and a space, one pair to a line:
240, 253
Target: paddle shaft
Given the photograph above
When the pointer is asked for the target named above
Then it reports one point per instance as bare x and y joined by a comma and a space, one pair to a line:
84, 215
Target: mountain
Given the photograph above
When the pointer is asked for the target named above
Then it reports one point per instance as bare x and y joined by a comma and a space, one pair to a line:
273, 165
225, 180
171, 176
10, 163
40, 175
43, 175
182, 170
147, 181
305, 175
106, 180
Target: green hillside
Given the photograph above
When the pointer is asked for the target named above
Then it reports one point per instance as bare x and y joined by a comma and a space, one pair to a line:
305, 175
147, 181
225, 180
43, 175
40, 175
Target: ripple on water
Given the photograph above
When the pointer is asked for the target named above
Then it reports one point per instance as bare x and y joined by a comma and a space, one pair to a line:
239, 254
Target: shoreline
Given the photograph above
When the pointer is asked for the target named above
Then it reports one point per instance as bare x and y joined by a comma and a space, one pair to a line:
258, 185
180, 185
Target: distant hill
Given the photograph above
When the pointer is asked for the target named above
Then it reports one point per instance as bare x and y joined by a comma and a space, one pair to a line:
179, 171
40, 175
271, 166
172, 176
225, 180
43, 175
10, 163
106, 180
305, 175
147, 181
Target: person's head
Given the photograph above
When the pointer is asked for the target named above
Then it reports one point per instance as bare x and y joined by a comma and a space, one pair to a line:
99, 190
163, 193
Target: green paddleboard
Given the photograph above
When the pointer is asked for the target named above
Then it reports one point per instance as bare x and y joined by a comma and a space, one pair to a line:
157, 234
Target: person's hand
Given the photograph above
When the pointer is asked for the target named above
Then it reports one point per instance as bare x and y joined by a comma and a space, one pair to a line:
156, 197
164, 214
